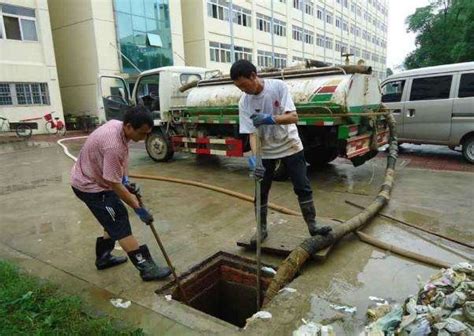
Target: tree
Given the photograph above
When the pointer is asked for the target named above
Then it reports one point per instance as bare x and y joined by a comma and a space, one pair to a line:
388, 72
445, 33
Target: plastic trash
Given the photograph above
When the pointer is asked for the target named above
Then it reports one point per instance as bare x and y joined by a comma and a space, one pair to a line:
420, 327
377, 312
120, 303
451, 325
269, 270
390, 322
262, 314
287, 289
344, 309
468, 311
168, 297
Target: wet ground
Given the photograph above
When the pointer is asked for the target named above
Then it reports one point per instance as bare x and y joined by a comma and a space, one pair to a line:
51, 234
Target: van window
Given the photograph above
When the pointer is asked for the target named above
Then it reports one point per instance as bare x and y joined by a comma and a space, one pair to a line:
392, 91
466, 86
431, 88
148, 92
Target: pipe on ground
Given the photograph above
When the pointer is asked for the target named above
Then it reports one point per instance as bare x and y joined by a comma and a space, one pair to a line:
290, 266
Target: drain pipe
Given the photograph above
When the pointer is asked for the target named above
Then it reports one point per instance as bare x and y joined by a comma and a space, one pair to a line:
290, 266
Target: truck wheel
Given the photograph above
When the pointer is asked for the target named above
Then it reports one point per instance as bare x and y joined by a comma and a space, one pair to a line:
280, 173
468, 149
321, 156
158, 146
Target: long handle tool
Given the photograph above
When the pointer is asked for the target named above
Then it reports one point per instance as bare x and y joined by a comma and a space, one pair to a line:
258, 206
162, 248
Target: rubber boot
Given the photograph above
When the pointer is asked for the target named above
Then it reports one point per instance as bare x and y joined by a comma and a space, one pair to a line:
263, 223
104, 258
309, 215
144, 263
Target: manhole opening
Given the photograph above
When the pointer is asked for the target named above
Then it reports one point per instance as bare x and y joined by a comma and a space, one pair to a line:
223, 286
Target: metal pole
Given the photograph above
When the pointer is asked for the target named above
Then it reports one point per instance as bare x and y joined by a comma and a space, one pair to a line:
168, 261
258, 206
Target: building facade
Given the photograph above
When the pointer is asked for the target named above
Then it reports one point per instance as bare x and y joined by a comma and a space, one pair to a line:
276, 33
28, 76
111, 37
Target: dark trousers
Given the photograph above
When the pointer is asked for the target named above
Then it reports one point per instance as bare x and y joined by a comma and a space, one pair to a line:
109, 211
297, 170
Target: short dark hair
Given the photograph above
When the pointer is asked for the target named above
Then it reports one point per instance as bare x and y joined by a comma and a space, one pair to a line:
242, 68
137, 116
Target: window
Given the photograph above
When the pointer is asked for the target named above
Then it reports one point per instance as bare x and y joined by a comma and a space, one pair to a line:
329, 43
345, 3
392, 91
241, 16
219, 52
338, 22
189, 78
19, 23
297, 33
264, 59
263, 23
353, 7
298, 4
329, 18
308, 37
308, 7
319, 13
320, 40
431, 88
242, 53
345, 26
279, 27
338, 46
218, 9
466, 86
5, 94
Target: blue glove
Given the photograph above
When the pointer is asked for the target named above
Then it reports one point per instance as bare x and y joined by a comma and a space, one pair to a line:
260, 119
144, 215
252, 161
257, 170
125, 180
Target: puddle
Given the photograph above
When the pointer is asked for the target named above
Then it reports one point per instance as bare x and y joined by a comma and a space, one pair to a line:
223, 286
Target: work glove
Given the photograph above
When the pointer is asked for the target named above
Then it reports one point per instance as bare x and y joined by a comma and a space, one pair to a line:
257, 170
132, 187
144, 215
260, 119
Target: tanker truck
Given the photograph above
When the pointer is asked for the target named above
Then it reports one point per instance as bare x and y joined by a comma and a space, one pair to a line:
196, 111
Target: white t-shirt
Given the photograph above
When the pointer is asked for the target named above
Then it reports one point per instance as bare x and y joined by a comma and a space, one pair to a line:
278, 141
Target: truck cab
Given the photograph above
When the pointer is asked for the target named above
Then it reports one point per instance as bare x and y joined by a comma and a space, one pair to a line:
158, 90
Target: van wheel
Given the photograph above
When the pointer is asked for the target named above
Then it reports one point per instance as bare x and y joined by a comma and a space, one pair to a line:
159, 147
468, 149
281, 172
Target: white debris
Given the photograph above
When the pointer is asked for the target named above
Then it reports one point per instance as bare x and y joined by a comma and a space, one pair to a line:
345, 309
287, 289
118, 247
269, 270
262, 314
168, 297
378, 301
308, 329
119, 303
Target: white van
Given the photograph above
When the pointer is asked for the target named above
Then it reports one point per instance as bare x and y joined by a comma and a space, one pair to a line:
434, 105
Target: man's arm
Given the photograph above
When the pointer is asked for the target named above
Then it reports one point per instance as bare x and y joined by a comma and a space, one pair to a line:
125, 195
290, 117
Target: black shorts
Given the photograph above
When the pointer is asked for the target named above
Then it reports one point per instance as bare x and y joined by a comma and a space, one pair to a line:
109, 211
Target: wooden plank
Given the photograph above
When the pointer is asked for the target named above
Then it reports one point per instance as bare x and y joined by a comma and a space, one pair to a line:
285, 233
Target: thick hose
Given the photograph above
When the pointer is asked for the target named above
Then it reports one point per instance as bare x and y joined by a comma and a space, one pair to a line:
290, 266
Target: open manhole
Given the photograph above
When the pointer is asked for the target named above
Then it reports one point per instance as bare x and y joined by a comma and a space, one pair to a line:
223, 285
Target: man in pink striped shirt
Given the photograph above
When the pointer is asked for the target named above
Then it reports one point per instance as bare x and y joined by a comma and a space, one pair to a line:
99, 179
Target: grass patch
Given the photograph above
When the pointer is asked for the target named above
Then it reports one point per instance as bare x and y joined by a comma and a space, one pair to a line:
29, 306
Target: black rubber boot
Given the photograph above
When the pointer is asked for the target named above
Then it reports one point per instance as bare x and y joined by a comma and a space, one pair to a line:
263, 222
144, 263
104, 258
309, 215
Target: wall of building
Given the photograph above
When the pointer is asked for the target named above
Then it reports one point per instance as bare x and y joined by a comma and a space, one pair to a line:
354, 13
73, 29
31, 62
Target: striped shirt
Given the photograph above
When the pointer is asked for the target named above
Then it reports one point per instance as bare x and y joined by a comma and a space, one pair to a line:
103, 159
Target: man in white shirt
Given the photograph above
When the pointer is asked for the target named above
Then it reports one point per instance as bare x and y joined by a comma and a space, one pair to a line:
267, 105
